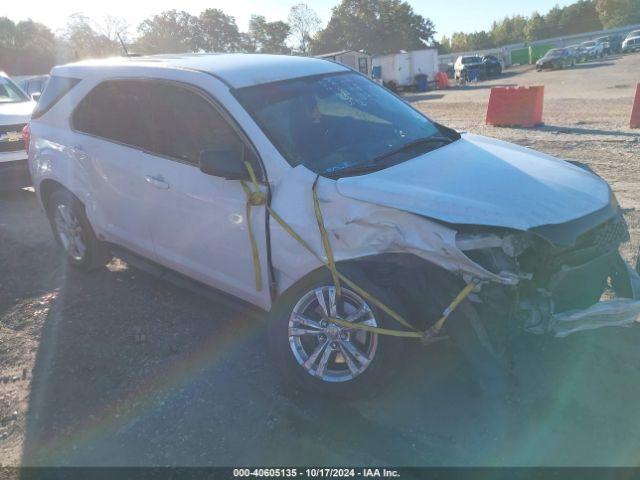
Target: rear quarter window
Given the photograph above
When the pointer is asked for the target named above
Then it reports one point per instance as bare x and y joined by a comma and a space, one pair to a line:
56, 88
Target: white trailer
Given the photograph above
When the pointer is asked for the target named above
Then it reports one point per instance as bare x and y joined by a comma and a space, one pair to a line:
402, 68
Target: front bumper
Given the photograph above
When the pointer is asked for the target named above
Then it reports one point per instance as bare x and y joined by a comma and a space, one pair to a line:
619, 312
539, 315
14, 171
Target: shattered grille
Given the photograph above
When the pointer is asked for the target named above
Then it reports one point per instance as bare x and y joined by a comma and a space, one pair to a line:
609, 236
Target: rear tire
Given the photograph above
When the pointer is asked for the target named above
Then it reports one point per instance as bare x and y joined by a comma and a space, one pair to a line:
342, 371
73, 232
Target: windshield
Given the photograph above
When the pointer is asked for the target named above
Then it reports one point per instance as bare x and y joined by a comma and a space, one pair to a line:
339, 123
10, 92
468, 60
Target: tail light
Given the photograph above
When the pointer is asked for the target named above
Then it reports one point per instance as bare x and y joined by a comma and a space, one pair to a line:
26, 137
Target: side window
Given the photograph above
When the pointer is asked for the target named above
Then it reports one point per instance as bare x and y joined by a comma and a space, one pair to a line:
117, 110
55, 89
184, 123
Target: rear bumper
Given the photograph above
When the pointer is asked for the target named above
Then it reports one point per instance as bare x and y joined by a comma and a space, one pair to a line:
14, 171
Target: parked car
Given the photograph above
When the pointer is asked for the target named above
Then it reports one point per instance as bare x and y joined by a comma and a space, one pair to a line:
631, 44
632, 34
556, 58
15, 110
32, 85
492, 66
606, 44
467, 67
578, 52
594, 49
220, 171
615, 42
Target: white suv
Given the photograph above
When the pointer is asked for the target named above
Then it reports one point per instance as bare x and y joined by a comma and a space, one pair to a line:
151, 159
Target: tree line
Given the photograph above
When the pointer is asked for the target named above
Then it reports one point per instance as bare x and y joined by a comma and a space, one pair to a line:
580, 17
379, 26
374, 26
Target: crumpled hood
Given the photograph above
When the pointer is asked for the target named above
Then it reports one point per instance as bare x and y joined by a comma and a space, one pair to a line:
14, 113
482, 181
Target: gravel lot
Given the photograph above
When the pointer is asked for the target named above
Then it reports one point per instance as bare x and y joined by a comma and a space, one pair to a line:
119, 368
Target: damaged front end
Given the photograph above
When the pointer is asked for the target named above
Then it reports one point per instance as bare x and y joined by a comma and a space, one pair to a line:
564, 286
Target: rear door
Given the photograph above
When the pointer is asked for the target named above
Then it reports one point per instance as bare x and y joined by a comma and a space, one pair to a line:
112, 127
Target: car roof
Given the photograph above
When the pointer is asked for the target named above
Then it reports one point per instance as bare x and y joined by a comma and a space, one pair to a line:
235, 69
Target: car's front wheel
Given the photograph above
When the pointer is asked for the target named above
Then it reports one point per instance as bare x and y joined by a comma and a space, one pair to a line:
317, 355
73, 232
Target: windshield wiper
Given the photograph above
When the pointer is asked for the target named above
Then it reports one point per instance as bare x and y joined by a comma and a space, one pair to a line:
376, 163
414, 143
355, 169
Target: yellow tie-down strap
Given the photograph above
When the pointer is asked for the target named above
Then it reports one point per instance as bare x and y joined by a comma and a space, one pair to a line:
256, 197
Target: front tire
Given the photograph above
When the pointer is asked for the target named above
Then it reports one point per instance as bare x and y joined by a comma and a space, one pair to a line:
73, 232
317, 356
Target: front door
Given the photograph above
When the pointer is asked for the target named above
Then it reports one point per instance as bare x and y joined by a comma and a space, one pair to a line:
199, 223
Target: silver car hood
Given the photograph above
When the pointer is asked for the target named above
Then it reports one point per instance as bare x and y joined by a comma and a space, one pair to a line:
482, 181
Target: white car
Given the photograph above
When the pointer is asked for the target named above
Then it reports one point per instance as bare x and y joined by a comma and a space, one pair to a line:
15, 110
151, 159
465, 65
631, 44
32, 85
633, 34
593, 49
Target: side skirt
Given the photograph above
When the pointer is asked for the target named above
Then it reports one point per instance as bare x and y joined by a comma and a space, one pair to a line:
187, 283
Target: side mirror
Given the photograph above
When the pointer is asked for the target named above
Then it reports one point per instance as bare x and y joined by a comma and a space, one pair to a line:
35, 96
224, 163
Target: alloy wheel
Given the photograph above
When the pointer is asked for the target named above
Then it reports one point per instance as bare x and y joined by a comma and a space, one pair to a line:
325, 350
69, 232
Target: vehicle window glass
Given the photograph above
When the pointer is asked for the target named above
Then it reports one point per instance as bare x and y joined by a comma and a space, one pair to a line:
55, 89
10, 92
184, 123
116, 110
335, 122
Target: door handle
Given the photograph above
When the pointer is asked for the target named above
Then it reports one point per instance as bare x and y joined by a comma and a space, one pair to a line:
157, 181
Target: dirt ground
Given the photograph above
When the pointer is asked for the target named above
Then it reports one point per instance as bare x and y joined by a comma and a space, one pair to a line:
119, 368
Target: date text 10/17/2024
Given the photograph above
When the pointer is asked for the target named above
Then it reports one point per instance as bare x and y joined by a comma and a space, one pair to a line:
316, 472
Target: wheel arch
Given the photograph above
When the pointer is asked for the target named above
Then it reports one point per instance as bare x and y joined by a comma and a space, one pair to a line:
423, 285
49, 186
46, 189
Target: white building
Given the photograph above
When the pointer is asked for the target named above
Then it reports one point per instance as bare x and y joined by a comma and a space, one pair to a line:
359, 61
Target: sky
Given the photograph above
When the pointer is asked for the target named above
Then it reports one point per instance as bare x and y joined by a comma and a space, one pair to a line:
448, 16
